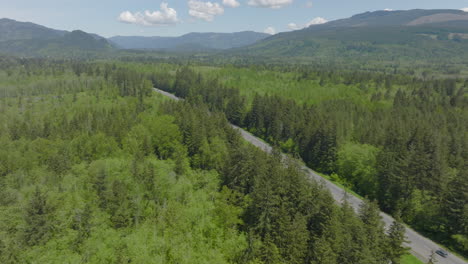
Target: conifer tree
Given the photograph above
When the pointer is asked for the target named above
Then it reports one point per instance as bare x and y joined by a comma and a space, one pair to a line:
369, 214
38, 219
395, 248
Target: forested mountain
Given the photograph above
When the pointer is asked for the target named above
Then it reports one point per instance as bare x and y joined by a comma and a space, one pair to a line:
190, 42
14, 30
416, 17
382, 39
397, 36
28, 39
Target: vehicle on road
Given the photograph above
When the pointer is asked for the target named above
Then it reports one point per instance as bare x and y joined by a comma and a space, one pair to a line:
442, 253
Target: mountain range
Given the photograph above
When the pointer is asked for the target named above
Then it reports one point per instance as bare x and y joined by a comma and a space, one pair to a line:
378, 36
191, 41
14, 30
28, 39
415, 17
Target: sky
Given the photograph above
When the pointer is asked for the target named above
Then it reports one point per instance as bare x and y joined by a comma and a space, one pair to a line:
177, 17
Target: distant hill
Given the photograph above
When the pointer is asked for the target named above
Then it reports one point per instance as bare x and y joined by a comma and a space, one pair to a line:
29, 39
14, 30
381, 35
397, 18
190, 42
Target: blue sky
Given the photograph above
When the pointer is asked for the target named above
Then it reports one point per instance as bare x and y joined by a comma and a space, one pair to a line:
177, 17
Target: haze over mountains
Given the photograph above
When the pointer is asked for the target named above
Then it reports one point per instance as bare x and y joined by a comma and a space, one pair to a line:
413, 34
191, 41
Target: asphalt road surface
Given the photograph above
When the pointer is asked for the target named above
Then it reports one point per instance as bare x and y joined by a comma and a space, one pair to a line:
421, 247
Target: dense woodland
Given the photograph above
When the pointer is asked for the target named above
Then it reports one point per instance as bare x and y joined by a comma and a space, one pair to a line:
399, 140
96, 168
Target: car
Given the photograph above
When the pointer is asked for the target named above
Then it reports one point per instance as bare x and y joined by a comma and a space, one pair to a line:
442, 253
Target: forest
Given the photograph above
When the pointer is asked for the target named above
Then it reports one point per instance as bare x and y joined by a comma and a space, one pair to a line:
96, 168
399, 140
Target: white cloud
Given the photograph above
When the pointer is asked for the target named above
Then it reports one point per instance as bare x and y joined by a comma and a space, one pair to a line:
270, 3
309, 4
204, 10
231, 3
316, 21
166, 16
128, 17
464, 9
294, 26
270, 30
388, 9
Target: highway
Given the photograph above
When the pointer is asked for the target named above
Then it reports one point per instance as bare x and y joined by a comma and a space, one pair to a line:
421, 247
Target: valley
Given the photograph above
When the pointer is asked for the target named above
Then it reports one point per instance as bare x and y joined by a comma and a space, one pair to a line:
320, 142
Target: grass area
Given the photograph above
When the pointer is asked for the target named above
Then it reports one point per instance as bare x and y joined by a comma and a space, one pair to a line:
410, 259
285, 84
336, 180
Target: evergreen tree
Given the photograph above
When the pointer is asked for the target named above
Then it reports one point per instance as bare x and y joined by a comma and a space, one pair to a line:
395, 248
269, 253
82, 223
38, 219
374, 243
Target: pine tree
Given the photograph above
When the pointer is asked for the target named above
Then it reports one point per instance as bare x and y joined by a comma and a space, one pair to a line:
99, 184
119, 205
38, 219
235, 109
396, 237
369, 214
269, 252
82, 223
456, 200
180, 158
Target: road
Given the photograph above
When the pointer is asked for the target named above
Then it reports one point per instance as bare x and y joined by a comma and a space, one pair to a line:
421, 247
